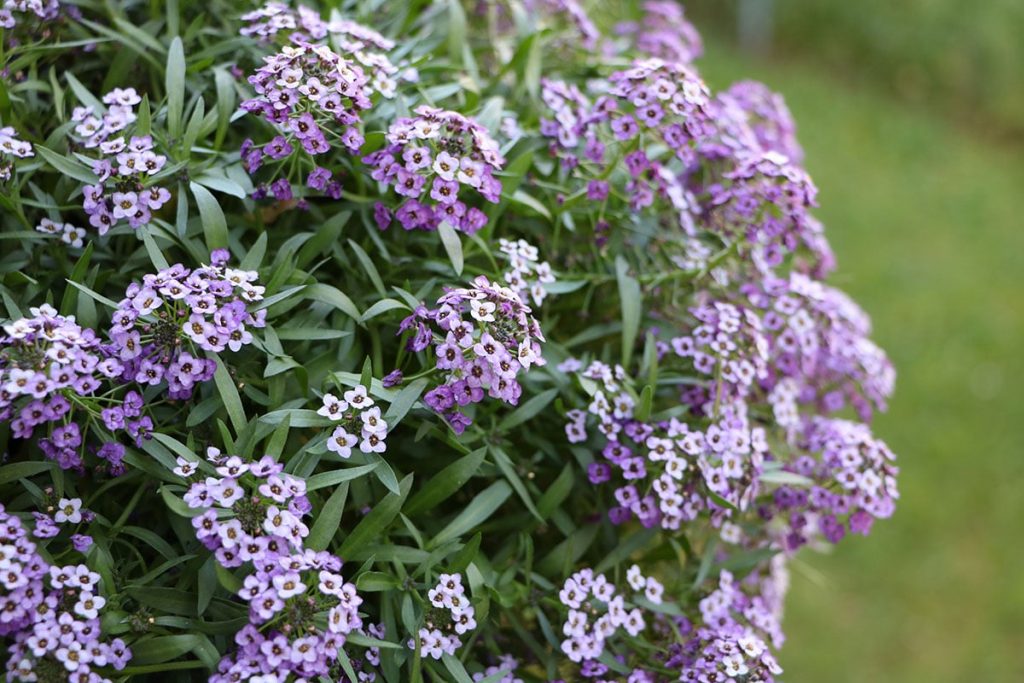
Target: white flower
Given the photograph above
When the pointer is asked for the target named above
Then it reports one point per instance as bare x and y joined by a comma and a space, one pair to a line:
358, 398
341, 442
482, 310
185, 468
333, 407
69, 510
635, 578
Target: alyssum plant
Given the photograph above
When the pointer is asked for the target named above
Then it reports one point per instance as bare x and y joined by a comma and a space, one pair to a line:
410, 341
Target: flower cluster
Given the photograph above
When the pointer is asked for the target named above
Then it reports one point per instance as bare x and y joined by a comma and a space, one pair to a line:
50, 367
266, 507
727, 345
22, 571
666, 100
95, 127
284, 636
730, 644
452, 616
429, 160
126, 189
671, 471
309, 92
526, 275
484, 353
11, 148
19, 13
55, 632
67, 511
664, 32
652, 106
818, 338
755, 119
162, 323
301, 23
764, 204
854, 478
596, 612
358, 415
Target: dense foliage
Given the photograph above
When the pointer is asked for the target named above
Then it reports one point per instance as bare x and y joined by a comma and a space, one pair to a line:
410, 341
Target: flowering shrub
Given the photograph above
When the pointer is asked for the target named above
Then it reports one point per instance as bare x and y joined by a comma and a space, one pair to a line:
419, 341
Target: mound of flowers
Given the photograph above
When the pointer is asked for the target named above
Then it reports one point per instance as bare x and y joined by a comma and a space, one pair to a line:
411, 341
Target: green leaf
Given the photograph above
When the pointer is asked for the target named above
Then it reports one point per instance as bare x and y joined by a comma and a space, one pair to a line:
629, 296
379, 518
377, 581
98, 297
297, 417
476, 513
19, 470
371, 270
557, 492
456, 31
333, 296
508, 469
520, 197
156, 256
383, 306
175, 85
456, 669
177, 505
215, 227
328, 519
163, 648
207, 584
527, 410
335, 477
452, 245
404, 402
445, 483
229, 395
73, 168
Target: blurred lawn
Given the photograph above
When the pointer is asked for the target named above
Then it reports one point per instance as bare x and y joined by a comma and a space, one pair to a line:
927, 225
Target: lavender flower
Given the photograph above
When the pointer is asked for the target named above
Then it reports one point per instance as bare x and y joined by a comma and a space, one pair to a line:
526, 276
29, 14
69, 234
49, 367
728, 345
818, 338
853, 483
11, 147
431, 160
753, 119
451, 616
730, 642
664, 32
596, 612
764, 205
482, 355
127, 189
55, 633
670, 471
162, 324
309, 93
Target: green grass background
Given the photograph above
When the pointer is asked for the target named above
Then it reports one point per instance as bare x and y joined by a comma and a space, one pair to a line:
926, 221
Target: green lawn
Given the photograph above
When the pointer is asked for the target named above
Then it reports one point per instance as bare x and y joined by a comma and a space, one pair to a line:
926, 223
